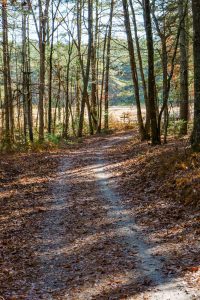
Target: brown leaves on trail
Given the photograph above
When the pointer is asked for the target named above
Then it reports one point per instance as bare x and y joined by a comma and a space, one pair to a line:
162, 186
58, 239
24, 180
193, 269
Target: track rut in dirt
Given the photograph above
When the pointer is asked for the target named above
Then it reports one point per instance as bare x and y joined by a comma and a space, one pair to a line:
86, 242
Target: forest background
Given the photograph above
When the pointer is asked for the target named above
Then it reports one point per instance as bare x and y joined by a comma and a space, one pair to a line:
63, 63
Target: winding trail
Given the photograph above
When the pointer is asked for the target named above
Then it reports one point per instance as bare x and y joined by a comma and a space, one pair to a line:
149, 266
84, 177
87, 244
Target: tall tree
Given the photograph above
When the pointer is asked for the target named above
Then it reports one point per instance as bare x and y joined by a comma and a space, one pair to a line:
140, 62
107, 69
26, 91
184, 92
41, 30
151, 73
196, 48
131, 50
86, 74
94, 70
7, 78
169, 44
43, 18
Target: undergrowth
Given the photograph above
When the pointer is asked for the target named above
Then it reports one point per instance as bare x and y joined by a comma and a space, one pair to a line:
179, 171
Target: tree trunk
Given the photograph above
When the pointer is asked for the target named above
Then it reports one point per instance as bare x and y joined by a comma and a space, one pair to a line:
51, 44
94, 71
107, 70
66, 123
7, 100
133, 69
87, 73
24, 75
43, 17
147, 125
102, 84
196, 26
165, 87
50, 82
184, 93
151, 75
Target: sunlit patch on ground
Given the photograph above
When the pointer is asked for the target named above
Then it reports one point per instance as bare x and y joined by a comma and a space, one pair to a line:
63, 237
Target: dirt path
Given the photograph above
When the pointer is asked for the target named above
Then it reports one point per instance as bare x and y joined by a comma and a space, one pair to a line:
148, 268
86, 243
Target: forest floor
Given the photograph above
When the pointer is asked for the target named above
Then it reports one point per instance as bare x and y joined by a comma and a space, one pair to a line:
108, 218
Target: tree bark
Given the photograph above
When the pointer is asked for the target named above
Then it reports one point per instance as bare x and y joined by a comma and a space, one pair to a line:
107, 69
184, 92
43, 17
85, 97
94, 71
144, 85
142, 130
6, 74
155, 138
196, 44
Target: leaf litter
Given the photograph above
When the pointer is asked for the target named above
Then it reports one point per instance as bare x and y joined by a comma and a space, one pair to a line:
58, 238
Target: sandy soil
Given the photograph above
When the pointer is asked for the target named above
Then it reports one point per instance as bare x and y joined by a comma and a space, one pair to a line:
76, 225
